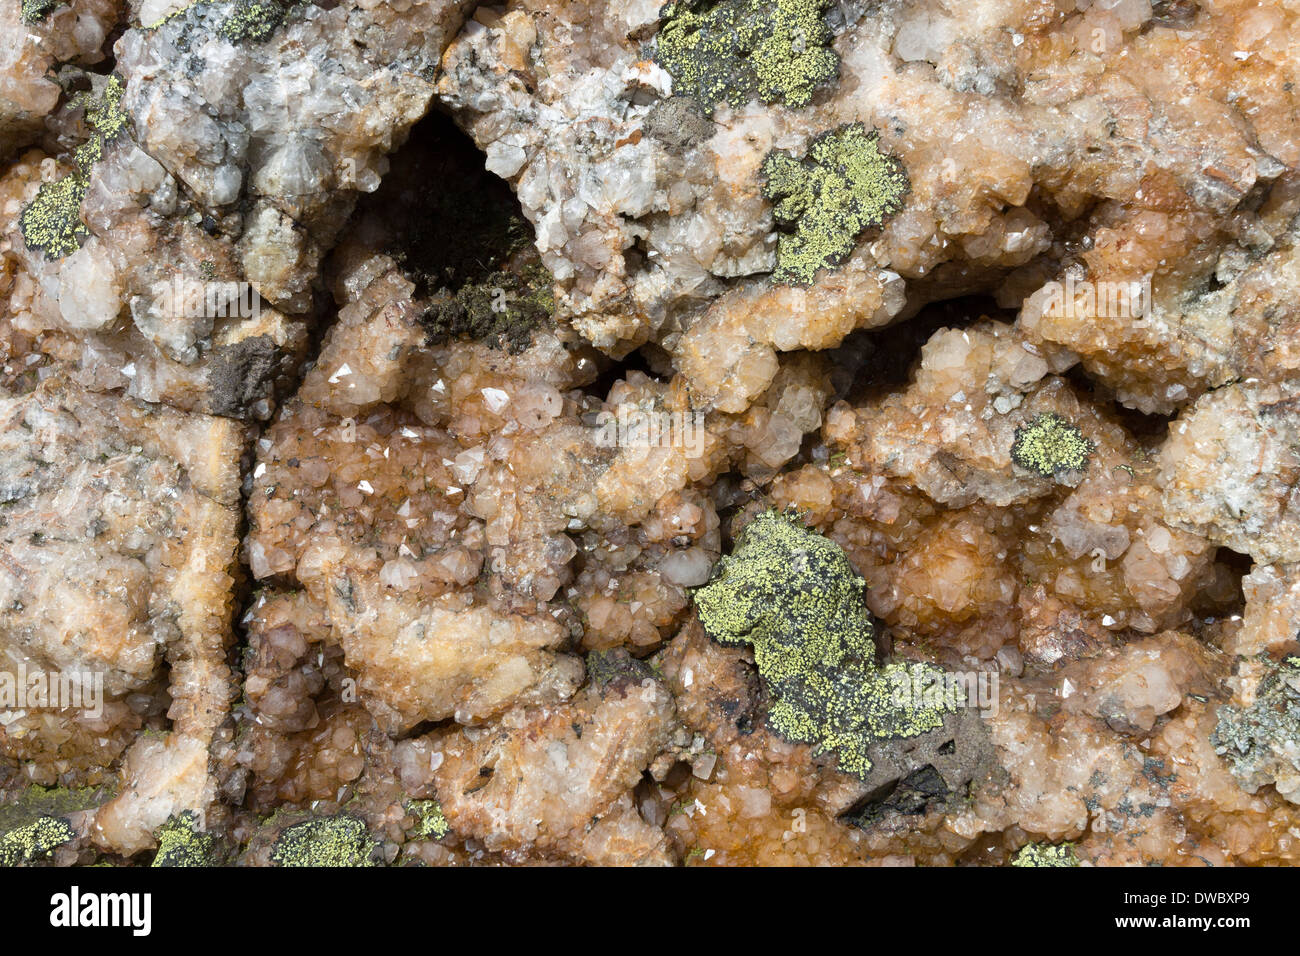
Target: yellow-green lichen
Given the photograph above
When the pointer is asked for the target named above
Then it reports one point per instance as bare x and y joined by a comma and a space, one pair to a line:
52, 221
34, 802
736, 50
104, 113
430, 822
1050, 445
176, 14
329, 842
34, 841
794, 597
1046, 854
34, 11
181, 843
844, 186
105, 118
255, 20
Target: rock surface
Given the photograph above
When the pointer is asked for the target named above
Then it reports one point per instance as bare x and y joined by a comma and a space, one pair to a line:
384, 383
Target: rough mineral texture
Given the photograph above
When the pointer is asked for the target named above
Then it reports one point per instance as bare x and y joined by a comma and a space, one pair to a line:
119, 541
713, 432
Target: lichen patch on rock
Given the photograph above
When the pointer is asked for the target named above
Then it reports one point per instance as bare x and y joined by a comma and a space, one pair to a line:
703, 433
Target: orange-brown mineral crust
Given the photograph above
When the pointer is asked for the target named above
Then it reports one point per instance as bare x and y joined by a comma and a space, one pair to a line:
380, 383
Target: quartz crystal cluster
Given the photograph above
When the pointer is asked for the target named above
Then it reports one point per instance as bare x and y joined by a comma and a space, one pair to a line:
706, 432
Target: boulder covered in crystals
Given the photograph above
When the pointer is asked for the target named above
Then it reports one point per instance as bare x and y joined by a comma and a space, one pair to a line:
404, 403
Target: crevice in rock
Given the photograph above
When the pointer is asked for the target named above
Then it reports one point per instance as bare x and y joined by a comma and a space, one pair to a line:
871, 361
1223, 598
910, 796
1149, 429
649, 359
440, 214
424, 728
732, 492
650, 801
458, 233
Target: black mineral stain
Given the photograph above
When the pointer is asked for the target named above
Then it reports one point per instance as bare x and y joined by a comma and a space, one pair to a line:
242, 375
